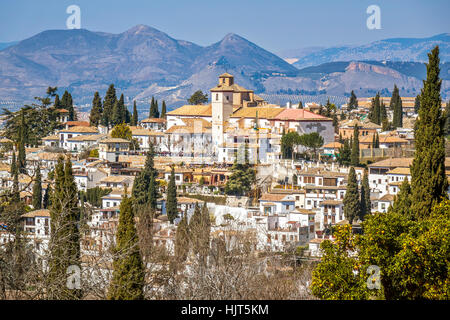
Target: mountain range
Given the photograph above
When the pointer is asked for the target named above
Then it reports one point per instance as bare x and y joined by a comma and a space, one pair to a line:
144, 61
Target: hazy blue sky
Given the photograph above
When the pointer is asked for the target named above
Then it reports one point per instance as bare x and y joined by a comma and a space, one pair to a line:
273, 24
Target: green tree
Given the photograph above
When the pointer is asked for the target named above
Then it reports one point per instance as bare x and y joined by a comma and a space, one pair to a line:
96, 110
429, 182
122, 131
108, 105
334, 277
300, 105
172, 206
141, 185
182, 240
200, 228
67, 103
345, 152
417, 104
64, 233
352, 205
198, 98
447, 119
128, 269
135, 118
396, 106
21, 159
366, 205
354, 158
288, 142
37, 190
163, 110
154, 109
46, 201
403, 201
311, 141
353, 102
243, 174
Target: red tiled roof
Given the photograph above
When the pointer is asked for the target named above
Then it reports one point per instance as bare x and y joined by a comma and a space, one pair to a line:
300, 114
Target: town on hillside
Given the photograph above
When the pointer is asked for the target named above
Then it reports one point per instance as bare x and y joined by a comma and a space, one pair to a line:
228, 181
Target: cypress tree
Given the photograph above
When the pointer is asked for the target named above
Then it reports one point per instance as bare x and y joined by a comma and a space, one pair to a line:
15, 192
365, 196
403, 201
67, 103
96, 110
377, 141
37, 190
199, 228
182, 240
116, 114
64, 243
108, 104
123, 110
447, 119
151, 113
21, 159
128, 269
352, 206
171, 207
134, 119
153, 192
417, 104
383, 112
57, 103
46, 203
374, 114
141, 185
163, 110
396, 106
300, 105
354, 160
345, 153
156, 109
429, 182
353, 102
13, 167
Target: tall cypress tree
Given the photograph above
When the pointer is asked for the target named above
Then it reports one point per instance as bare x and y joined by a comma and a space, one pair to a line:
67, 103
21, 159
57, 102
116, 114
353, 102
37, 190
354, 160
15, 192
396, 106
96, 110
199, 228
108, 104
365, 196
128, 269
134, 118
64, 243
141, 185
374, 114
153, 192
182, 241
447, 119
151, 113
46, 201
123, 110
163, 110
352, 206
171, 207
429, 182
417, 104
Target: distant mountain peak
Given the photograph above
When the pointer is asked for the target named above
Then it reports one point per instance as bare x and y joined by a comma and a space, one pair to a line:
142, 29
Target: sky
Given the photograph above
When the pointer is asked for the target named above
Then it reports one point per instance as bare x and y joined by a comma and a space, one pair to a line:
275, 25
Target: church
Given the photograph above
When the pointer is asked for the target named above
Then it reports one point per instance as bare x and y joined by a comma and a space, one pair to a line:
237, 116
